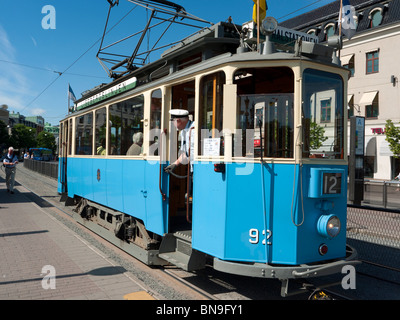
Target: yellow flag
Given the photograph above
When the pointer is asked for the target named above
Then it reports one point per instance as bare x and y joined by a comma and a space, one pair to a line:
263, 10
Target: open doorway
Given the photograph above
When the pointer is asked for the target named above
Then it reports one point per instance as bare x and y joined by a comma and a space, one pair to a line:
180, 211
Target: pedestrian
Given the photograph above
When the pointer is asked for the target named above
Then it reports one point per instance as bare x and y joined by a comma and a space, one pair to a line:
10, 162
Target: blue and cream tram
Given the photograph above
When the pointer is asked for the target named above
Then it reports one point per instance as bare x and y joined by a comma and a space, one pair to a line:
41, 154
269, 169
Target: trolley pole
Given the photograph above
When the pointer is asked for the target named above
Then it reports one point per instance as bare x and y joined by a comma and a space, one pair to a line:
356, 160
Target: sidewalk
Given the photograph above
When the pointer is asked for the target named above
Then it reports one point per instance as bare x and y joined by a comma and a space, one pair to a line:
34, 247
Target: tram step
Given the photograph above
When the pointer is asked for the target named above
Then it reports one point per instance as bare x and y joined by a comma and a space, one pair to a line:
179, 252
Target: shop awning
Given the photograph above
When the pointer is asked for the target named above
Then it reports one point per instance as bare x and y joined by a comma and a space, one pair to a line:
346, 59
349, 97
368, 98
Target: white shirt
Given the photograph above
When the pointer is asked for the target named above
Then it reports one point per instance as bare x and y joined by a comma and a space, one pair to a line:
184, 135
13, 158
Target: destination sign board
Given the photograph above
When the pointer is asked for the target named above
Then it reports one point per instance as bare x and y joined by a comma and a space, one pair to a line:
281, 35
287, 36
108, 93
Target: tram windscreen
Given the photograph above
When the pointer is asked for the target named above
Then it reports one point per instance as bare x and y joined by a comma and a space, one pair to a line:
322, 115
265, 117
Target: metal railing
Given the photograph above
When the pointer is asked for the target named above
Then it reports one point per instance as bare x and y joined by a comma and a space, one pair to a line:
48, 168
382, 194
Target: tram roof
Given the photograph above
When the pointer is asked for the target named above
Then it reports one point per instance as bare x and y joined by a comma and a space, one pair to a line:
206, 48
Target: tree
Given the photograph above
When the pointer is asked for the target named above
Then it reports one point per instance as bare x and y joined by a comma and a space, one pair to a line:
393, 138
316, 136
23, 137
46, 140
4, 137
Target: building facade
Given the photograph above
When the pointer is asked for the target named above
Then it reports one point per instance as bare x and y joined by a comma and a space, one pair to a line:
371, 54
34, 122
4, 113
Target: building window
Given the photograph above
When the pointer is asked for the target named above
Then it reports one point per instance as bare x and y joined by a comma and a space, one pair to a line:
369, 166
329, 30
326, 110
372, 62
372, 110
376, 17
312, 32
350, 65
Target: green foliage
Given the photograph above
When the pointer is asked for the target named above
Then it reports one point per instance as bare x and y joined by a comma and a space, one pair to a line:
393, 138
23, 137
4, 138
46, 140
316, 136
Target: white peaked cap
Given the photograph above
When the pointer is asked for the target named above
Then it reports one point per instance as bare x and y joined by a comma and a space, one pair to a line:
178, 113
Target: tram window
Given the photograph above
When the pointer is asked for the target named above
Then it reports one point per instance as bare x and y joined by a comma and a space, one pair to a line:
323, 115
155, 121
211, 110
84, 134
126, 127
100, 131
265, 112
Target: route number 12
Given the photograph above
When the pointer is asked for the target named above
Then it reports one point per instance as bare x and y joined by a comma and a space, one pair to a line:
332, 183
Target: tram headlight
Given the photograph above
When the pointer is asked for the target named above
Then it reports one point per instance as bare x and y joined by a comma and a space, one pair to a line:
328, 226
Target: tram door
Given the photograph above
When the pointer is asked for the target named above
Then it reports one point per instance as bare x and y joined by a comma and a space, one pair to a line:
182, 97
62, 183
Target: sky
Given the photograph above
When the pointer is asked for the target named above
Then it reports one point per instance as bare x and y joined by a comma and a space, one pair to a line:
46, 45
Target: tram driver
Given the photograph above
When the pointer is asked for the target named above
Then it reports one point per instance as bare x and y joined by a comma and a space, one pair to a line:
180, 118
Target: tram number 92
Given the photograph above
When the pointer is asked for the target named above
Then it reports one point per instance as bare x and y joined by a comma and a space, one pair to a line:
332, 183
255, 236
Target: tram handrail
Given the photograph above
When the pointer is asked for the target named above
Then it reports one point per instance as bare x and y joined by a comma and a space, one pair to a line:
163, 195
188, 179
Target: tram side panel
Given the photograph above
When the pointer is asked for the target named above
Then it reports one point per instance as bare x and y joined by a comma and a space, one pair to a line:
99, 176
156, 208
209, 210
120, 184
225, 207
229, 221
79, 171
320, 205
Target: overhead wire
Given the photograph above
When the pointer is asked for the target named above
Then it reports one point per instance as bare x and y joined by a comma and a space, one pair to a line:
76, 60
49, 70
73, 63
